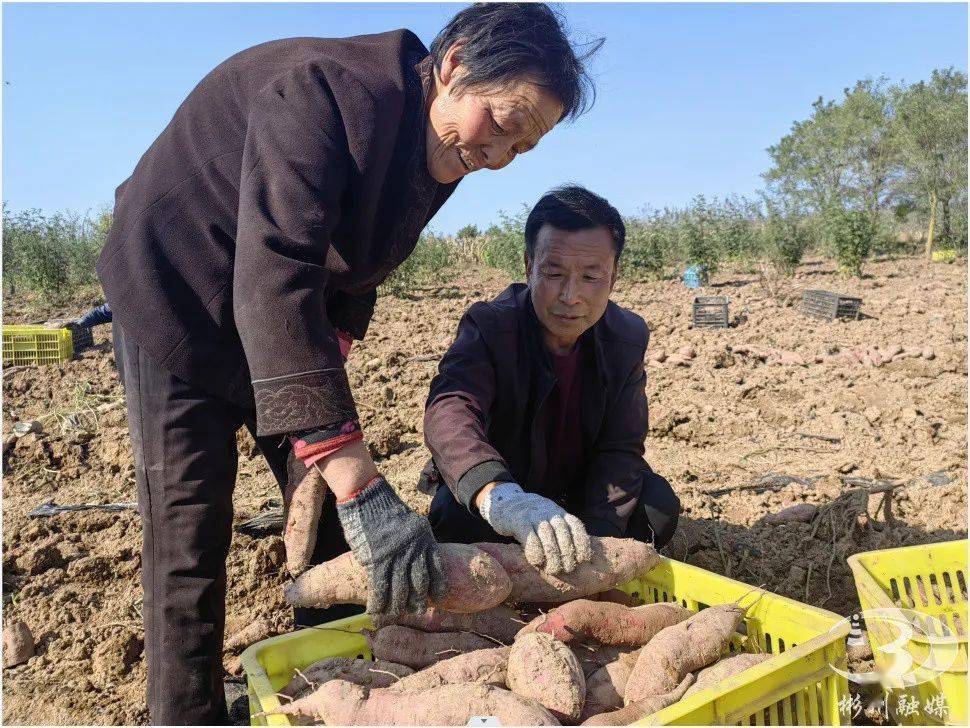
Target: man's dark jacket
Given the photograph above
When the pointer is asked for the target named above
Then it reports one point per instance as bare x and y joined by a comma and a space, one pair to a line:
288, 185
486, 416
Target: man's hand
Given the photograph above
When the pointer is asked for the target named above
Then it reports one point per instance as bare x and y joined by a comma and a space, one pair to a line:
397, 548
303, 500
551, 538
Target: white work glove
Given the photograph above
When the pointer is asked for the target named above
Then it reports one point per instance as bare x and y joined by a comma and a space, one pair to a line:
552, 539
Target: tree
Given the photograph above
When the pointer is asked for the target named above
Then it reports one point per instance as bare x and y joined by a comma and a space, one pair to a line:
468, 232
931, 131
843, 154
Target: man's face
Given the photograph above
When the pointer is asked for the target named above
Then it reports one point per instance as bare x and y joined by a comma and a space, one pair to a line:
570, 279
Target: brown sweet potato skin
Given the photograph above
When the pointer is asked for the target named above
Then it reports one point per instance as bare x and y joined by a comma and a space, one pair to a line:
642, 708
417, 649
681, 649
480, 666
253, 632
339, 702
476, 581
615, 561
544, 669
303, 516
500, 623
723, 669
369, 673
608, 623
605, 687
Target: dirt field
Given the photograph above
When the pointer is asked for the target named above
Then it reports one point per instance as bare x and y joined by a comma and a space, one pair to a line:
736, 415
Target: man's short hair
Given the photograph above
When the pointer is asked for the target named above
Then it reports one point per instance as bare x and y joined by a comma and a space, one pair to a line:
574, 208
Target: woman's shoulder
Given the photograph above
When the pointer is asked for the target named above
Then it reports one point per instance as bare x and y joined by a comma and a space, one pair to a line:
356, 69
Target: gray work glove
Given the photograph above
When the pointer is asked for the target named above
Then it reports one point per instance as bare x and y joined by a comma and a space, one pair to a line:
397, 547
552, 539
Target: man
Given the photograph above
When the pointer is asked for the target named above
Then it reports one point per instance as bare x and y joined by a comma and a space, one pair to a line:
537, 418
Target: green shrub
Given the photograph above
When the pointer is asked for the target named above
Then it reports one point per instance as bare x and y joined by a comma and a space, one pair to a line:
504, 245
645, 254
849, 236
696, 236
430, 263
785, 241
52, 255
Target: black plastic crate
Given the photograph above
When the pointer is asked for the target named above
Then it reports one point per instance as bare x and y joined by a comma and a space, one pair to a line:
830, 305
82, 336
710, 312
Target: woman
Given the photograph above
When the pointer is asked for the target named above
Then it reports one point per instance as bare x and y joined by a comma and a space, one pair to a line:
243, 259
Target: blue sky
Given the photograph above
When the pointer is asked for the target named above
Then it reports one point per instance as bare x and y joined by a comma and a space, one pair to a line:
690, 96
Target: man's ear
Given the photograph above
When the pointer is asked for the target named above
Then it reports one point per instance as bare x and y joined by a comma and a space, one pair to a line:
451, 68
528, 264
616, 273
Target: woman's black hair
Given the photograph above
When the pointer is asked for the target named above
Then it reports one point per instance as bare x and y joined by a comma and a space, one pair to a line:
504, 42
574, 208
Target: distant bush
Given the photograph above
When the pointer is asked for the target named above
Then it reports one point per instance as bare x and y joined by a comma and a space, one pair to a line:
849, 237
504, 244
784, 241
647, 253
53, 255
430, 263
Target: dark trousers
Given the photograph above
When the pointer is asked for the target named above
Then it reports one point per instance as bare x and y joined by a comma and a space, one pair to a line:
184, 443
654, 519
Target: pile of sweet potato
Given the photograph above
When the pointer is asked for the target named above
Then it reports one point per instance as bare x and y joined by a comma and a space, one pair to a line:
535, 651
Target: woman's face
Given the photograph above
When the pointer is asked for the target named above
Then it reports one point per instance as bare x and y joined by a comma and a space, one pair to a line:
479, 129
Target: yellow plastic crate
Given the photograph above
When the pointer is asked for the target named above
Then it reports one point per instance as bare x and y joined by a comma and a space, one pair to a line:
796, 687
930, 580
36, 345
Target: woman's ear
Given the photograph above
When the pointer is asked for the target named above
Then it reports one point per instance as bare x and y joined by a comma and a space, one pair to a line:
451, 68
528, 265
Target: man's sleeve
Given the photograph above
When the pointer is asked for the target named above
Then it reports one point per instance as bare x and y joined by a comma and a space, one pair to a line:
614, 473
294, 171
456, 416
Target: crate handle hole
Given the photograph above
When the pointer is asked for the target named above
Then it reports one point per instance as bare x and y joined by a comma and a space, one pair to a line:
921, 590
948, 582
935, 587
963, 585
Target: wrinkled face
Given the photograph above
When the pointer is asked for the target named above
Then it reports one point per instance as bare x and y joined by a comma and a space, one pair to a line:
475, 128
570, 280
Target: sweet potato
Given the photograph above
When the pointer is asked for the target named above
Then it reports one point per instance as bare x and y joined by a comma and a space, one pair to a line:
476, 581
339, 702
605, 687
250, 634
723, 669
544, 669
480, 666
680, 649
798, 513
418, 649
18, 643
500, 623
302, 517
608, 623
641, 708
369, 673
615, 561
